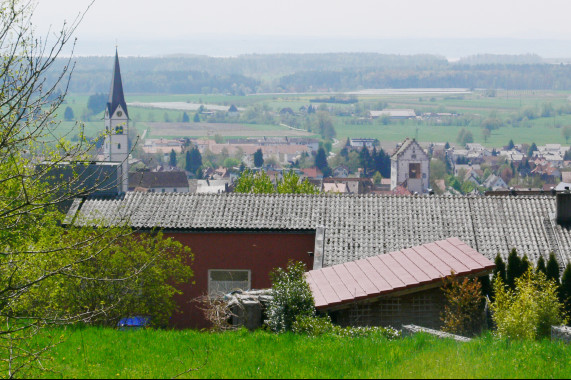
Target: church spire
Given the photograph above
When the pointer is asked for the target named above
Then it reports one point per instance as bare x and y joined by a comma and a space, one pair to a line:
116, 96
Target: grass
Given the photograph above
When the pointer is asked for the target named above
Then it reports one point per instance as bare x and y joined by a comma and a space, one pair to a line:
107, 353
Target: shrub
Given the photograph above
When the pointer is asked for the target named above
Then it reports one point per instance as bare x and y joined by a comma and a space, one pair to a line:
463, 311
316, 326
292, 297
529, 311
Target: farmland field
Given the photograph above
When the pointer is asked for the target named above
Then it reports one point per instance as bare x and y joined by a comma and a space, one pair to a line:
473, 107
108, 353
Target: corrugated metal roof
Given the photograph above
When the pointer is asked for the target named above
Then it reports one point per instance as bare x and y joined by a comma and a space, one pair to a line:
385, 274
356, 226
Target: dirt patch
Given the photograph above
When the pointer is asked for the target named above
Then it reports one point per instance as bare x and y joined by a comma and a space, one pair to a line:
223, 129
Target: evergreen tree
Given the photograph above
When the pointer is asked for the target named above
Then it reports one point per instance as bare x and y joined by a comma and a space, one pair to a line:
187, 161
486, 286
348, 142
195, 160
499, 272
68, 114
365, 159
185, 118
553, 268
531, 149
172, 161
511, 145
258, 158
321, 161
196, 118
541, 266
447, 145
565, 289
524, 265
514, 269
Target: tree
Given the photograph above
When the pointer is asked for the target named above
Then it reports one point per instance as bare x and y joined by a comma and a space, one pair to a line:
541, 265
260, 183
321, 161
510, 145
185, 118
196, 118
68, 114
259, 158
96, 103
46, 266
565, 289
172, 158
513, 269
292, 184
486, 133
193, 160
552, 268
531, 149
463, 309
566, 132
529, 310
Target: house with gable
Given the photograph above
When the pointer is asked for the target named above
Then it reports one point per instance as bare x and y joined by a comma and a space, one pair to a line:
411, 165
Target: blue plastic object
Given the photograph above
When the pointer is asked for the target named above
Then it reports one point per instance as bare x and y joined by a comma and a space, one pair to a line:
133, 323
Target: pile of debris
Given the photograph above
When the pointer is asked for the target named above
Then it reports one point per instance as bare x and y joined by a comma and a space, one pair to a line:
248, 307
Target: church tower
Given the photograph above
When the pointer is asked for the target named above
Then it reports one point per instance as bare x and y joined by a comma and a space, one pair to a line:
116, 146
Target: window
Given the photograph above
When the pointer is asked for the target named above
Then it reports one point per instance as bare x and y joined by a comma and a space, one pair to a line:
414, 156
222, 281
422, 303
118, 146
163, 190
414, 170
389, 307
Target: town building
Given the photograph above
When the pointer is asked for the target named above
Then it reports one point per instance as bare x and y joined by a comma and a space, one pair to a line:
116, 145
160, 182
394, 114
410, 167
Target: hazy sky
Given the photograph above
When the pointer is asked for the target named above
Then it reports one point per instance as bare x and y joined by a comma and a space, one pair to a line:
146, 20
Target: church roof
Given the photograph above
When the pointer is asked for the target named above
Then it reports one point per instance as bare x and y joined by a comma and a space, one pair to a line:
116, 96
405, 145
356, 226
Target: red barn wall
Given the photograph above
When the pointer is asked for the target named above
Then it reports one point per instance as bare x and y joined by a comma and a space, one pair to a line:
259, 252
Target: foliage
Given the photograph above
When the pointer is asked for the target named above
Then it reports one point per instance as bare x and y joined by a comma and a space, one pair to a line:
317, 326
463, 310
540, 267
513, 269
464, 137
256, 183
565, 290
552, 268
172, 158
292, 184
97, 103
68, 114
528, 311
291, 299
321, 161
185, 118
258, 158
193, 160
196, 118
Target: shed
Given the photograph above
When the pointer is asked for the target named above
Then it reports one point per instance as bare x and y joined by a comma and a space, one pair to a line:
402, 287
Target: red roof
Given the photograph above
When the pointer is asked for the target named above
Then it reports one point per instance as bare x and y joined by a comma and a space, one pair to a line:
395, 271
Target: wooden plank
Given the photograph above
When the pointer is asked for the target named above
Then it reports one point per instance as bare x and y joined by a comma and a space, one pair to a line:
398, 270
376, 279
361, 278
353, 286
385, 272
420, 262
431, 258
325, 288
452, 262
337, 284
410, 267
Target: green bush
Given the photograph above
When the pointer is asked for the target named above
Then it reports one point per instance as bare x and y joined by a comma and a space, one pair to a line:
528, 311
292, 297
316, 326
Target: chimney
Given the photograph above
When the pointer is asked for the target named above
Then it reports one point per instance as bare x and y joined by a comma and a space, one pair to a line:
563, 207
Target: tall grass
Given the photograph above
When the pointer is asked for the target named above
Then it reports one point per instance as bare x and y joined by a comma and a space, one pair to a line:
107, 353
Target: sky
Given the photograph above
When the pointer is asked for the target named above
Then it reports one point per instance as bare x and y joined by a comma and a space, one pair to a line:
140, 25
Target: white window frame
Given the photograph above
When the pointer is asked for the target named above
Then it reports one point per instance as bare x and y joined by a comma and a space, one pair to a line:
213, 293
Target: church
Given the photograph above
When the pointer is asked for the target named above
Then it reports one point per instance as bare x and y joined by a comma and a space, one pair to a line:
410, 168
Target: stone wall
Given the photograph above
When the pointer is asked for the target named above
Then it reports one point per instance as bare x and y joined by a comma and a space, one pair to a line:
561, 333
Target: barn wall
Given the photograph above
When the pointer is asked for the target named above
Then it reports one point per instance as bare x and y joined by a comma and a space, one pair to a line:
260, 252
422, 308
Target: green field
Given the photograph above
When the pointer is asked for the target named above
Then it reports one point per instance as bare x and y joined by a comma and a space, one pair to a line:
107, 353
475, 106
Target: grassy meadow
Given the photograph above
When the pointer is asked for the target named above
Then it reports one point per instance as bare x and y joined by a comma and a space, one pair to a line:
474, 105
108, 353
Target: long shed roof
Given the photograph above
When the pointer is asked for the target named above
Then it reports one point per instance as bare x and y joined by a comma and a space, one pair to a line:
356, 226
386, 274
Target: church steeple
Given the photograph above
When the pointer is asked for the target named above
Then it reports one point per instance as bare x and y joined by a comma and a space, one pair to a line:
116, 96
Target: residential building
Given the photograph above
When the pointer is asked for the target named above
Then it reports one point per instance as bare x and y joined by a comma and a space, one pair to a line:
160, 182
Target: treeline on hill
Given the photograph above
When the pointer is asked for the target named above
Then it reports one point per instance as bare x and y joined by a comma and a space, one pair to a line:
316, 72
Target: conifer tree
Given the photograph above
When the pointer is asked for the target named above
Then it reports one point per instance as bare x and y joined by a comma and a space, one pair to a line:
514, 268
553, 268
541, 266
172, 160
499, 272
525, 264
565, 289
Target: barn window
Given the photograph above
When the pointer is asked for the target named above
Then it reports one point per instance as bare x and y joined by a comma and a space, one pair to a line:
414, 170
389, 307
221, 281
422, 303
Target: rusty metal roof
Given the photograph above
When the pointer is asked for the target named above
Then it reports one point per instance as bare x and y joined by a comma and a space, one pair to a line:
402, 270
